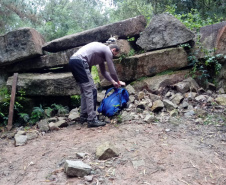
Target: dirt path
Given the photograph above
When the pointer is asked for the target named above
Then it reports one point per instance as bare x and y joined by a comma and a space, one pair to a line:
166, 154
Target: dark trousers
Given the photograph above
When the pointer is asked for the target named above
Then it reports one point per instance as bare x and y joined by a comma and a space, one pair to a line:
81, 72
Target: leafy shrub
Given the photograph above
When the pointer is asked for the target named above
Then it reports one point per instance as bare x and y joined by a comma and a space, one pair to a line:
37, 114
192, 20
61, 110
5, 103
76, 100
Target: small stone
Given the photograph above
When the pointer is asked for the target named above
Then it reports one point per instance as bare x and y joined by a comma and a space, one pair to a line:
89, 178
189, 113
106, 151
81, 155
141, 95
76, 168
20, 140
221, 91
174, 113
221, 99
157, 106
149, 118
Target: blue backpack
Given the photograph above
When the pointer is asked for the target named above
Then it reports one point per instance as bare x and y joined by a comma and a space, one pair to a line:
114, 103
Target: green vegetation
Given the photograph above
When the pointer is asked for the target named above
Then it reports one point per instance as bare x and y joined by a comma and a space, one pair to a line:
95, 75
5, 103
57, 18
205, 69
26, 118
214, 119
193, 19
75, 100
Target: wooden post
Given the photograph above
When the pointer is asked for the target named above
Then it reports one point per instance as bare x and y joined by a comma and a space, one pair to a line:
12, 101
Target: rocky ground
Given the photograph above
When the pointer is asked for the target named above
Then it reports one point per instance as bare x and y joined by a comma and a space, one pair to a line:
175, 138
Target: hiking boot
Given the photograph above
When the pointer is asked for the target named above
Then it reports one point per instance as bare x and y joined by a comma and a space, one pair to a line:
95, 123
82, 120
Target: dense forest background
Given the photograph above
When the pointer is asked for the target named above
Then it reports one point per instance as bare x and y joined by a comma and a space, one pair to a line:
57, 18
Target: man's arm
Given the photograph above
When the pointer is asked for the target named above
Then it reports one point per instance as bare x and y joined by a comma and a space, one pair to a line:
106, 75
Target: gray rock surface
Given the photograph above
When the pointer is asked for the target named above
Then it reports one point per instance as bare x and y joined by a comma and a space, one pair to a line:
213, 37
19, 45
76, 168
163, 31
106, 151
46, 84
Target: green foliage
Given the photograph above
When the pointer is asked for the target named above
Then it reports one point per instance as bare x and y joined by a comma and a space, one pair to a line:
131, 8
213, 119
61, 110
95, 75
205, 69
132, 52
49, 111
193, 19
53, 19
37, 114
131, 39
76, 100
24, 116
119, 118
5, 103
57, 18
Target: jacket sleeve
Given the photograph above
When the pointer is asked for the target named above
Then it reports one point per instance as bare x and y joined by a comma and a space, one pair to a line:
104, 72
111, 67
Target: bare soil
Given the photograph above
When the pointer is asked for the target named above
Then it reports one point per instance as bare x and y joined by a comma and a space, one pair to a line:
181, 153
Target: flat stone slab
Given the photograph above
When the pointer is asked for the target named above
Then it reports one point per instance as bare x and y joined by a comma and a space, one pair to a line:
148, 64
123, 29
19, 45
47, 84
51, 60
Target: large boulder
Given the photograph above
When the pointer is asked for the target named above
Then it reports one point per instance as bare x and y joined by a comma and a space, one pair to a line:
123, 29
47, 84
148, 64
213, 37
164, 31
19, 45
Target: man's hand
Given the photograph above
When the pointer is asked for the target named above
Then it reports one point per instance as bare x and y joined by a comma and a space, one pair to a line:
122, 83
118, 84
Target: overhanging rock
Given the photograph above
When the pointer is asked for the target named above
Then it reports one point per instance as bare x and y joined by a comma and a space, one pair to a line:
48, 84
123, 29
19, 45
149, 64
